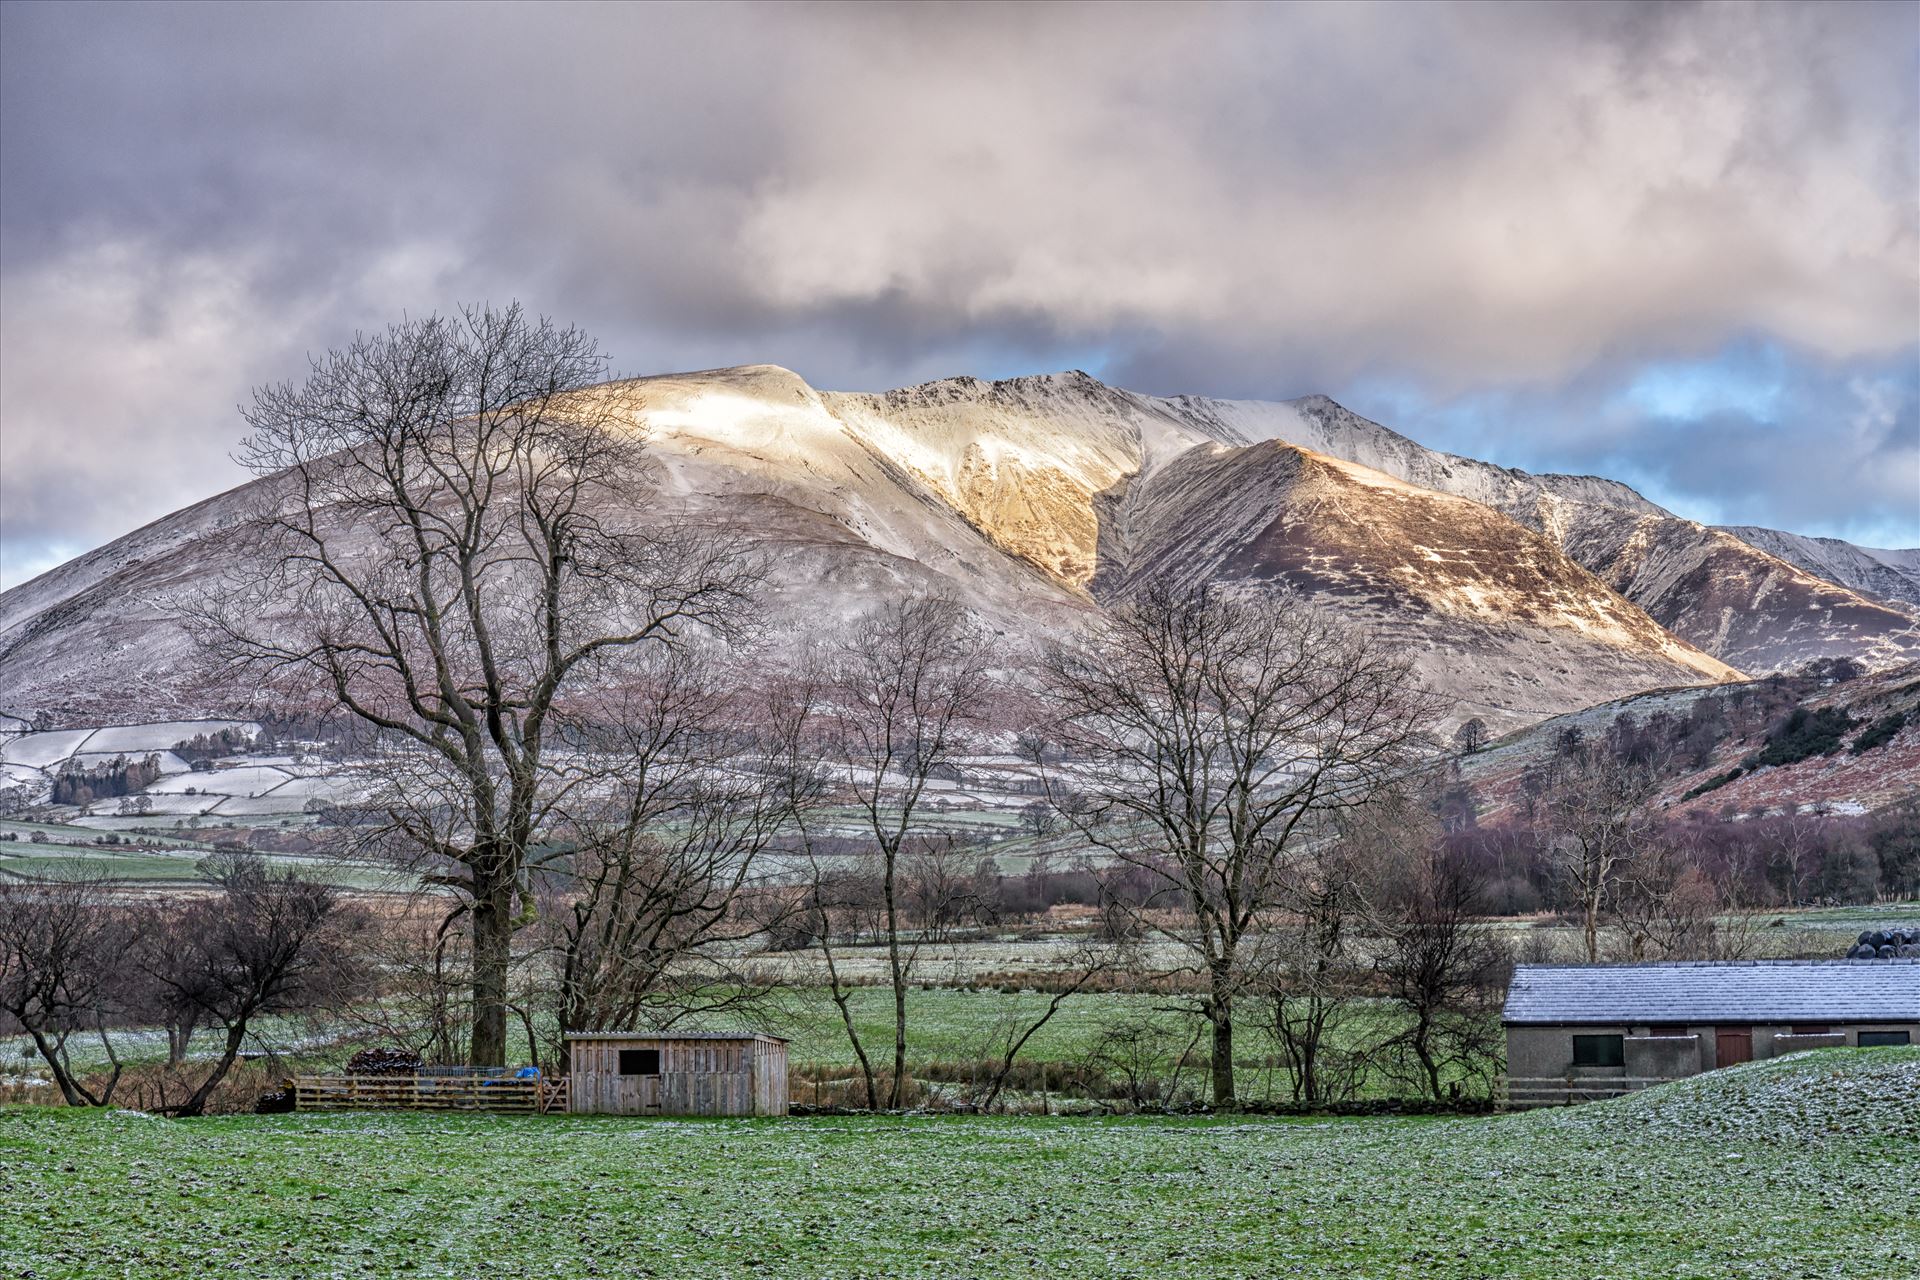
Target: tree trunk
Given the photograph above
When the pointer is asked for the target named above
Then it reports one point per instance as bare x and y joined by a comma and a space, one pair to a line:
1309, 1087
179, 1037
492, 952
197, 1104
899, 1041
899, 988
1423, 1050
52, 1054
859, 1050
1220, 1012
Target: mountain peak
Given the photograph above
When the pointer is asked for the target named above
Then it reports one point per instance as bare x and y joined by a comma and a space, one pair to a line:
1030, 498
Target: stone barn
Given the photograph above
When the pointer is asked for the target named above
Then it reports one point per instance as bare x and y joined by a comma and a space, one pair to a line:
1581, 1031
676, 1073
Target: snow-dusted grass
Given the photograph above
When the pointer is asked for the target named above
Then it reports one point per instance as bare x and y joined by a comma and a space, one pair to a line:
1540, 1195
246, 780
42, 750
1822, 1096
132, 738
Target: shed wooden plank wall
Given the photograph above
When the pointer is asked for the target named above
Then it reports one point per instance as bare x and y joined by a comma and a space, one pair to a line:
705, 1077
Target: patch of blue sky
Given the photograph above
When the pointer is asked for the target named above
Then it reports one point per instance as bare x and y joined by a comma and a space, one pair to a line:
1748, 379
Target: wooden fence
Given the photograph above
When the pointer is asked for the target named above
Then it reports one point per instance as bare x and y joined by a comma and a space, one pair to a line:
1520, 1093
429, 1093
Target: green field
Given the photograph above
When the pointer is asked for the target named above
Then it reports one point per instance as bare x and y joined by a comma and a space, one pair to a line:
1799, 1167
44, 850
946, 1026
951, 1026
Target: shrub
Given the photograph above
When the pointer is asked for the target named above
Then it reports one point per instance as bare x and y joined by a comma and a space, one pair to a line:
1804, 734
1879, 732
1714, 783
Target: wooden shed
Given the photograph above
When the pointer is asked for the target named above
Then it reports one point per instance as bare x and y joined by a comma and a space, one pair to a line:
676, 1073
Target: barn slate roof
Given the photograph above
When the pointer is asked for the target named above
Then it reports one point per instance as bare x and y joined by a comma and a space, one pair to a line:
1756, 991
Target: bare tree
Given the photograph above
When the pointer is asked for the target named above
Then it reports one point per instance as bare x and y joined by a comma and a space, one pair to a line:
1669, 908
263, 944
1471, 736
839, 899
1442, 966
1208, 733
1038, 819
1090, 959
1594, 815
663, 850
1309, 961
62, 972
1794, 846
421, 994
446, 553
896, 704
1144, 1055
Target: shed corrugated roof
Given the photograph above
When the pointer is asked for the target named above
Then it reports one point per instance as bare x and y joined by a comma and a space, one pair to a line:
1759, 991
675, 1035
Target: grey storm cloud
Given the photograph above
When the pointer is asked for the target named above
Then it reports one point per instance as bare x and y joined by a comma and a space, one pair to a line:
1479, 205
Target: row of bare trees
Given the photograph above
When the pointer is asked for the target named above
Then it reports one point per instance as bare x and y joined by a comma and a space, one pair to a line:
80, 960
459, 548
1617, 859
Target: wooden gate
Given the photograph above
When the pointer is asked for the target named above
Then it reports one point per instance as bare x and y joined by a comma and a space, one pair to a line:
1732, 1045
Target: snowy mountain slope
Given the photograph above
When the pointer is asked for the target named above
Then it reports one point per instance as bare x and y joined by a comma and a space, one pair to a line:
1494, 615
1891, 576
1725, 595
1024, 460
844, 527
1753, 609
1320, 424
1709, 741
1033, 500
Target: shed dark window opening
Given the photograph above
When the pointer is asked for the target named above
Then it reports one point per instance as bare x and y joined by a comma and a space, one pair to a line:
1599, 1051
639, 1062
1815, 1029
1871, 1039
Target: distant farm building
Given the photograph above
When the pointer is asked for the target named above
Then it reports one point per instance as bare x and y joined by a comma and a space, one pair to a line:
634, 1073
1582, 1031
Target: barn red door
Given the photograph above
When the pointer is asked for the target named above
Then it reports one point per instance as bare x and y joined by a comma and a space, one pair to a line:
1732, 1044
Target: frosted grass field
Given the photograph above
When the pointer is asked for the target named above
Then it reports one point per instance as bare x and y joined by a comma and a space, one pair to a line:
1819, 1182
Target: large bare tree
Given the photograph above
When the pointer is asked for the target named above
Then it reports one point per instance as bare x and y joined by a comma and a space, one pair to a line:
1209, 732
1595, 815
446, 550
661, 881
1442, 965
887, 707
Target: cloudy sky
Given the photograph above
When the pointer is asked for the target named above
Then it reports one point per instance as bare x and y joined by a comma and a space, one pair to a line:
1673, 244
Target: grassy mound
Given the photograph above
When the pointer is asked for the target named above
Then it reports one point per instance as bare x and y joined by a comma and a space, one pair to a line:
1806, 1097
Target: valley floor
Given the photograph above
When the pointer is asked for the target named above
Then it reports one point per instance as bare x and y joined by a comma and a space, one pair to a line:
1796, 1167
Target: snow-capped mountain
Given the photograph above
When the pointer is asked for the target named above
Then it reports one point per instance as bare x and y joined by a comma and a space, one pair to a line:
1887, 575
1038, 501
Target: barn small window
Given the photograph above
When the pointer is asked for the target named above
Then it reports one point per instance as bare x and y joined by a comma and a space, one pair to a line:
639, 1062
1599, 1051
1816, 1029
1869, 1039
